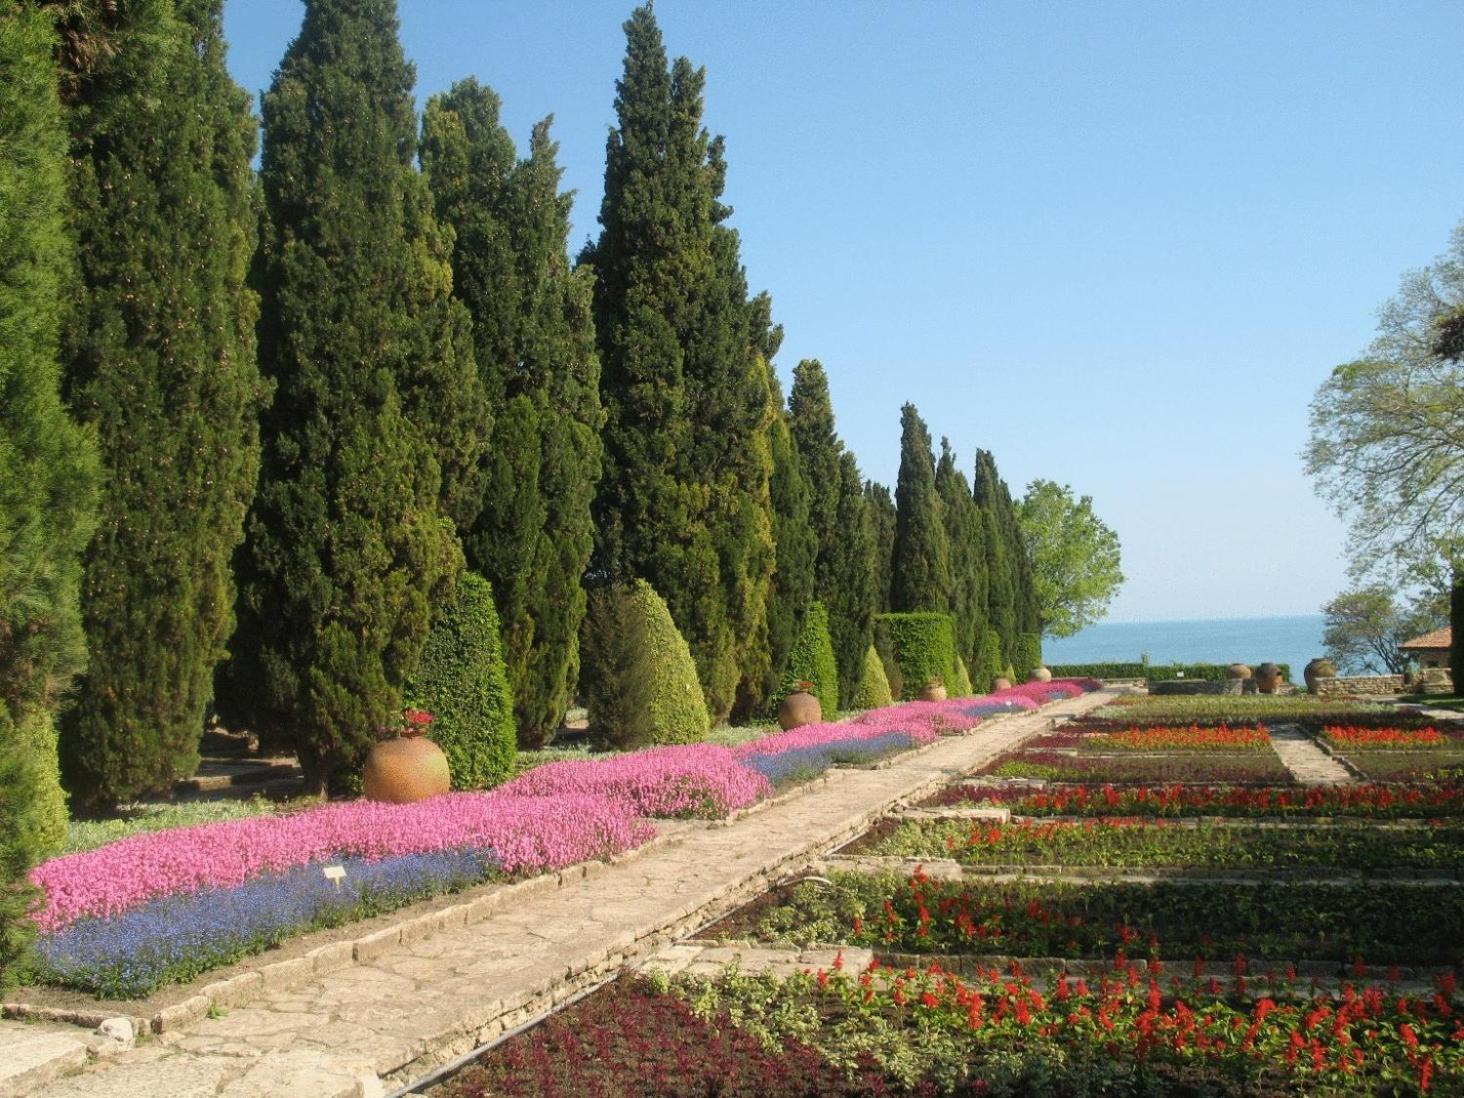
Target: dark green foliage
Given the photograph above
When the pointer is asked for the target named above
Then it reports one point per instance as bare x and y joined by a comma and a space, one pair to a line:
811, 414
966, 536
796, 546
812, 660
1456, 631
923, 645
882, 515
988, 666
1012, 606
1153, 672
638, 679
349, 548
1028, 656
874, 685
851, 597
961, 687
460, 680
160, 359
48, 469
528, 529
684, 498
920, 566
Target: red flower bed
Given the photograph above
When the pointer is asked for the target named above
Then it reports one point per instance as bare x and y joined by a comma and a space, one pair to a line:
1383, 739
1372, 801
1221, 737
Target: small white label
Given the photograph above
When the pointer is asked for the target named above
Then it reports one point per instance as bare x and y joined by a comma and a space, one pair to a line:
336, 873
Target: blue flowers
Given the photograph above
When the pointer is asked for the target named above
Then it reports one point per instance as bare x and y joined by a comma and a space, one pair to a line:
802, 763
176, 938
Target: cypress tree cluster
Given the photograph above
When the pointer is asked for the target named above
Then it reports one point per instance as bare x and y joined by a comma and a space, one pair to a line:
796, 542
528, 527
920, 572
966, 534
684, 501
1011, 606
349, 543
160, 362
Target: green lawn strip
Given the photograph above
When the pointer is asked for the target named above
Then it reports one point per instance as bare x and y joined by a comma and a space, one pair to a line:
1429, 765
1139, 843
1379, 922
1233, 708
136, 819
1248, 768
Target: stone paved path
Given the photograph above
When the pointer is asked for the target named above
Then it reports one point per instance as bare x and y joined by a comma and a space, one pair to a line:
1308, 763
419, 1004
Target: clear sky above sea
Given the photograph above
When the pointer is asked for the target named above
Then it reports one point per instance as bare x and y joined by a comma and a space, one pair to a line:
1119, 245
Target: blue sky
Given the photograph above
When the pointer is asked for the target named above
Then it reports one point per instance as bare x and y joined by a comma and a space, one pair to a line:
1119, 245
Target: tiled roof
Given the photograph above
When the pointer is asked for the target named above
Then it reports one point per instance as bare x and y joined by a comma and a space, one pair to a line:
1439, 638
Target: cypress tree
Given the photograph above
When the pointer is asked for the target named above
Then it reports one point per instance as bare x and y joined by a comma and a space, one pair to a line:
348, 544
811, 413
881, 507
684, 499
965, 534
852, 594
160, 359
48, 465
1001, 567
920, 567
796, 547
529, 531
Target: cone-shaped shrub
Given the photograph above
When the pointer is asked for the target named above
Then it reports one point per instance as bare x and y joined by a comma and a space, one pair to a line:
461, 681
812, 660
961, 688
924, 647
874, 687
1029, 653
637, 676
988, 665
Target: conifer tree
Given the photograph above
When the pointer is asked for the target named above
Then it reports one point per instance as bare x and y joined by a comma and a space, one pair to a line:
811, 413
684, 499
48, 465
529, 530
881, 507
160, 360
796, 546
965, 534
920, 568
1011, 597
349, 546
852, 594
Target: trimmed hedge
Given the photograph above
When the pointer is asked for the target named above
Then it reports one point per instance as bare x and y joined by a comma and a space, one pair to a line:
988, 660
874, 686
637, 676
923, 646
1152, 672
1028, 656
812, 659
461, 680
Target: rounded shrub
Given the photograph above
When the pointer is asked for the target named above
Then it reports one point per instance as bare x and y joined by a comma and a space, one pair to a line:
637, 677
874, 685
462, 682
812, 660
923, 644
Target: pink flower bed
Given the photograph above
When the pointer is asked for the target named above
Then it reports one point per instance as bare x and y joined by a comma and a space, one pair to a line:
703, 780
525, 834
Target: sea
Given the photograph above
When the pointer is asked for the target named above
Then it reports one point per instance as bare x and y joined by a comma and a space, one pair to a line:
1293, 640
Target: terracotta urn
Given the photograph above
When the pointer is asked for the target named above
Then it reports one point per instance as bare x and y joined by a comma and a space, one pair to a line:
407, 769
1268, 678
799, 708
933, 691
1317, 669
1002, 683
1237, 671
1040, 674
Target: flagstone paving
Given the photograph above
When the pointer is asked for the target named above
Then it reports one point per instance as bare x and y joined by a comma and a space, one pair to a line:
418, 1004
1308, 763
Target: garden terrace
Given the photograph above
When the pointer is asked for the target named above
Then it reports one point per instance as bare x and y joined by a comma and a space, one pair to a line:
1398, 752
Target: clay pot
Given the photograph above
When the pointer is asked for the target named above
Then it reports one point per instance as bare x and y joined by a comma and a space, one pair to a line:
933, 691
1002, 684
1268, 678
1319, 668
1040, 674
1237, 671
405, 770
797, 709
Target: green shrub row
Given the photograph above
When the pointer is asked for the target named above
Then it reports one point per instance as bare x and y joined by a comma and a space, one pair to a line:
1152, 672
922, 646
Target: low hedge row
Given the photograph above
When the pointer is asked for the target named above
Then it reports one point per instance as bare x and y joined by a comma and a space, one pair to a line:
1152, 672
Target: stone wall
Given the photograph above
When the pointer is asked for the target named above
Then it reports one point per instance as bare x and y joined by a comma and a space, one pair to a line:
1361, 684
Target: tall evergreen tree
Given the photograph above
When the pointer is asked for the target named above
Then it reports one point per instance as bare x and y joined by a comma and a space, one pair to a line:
1012, 605
881, 507
684, 500
920, 568
48, 466
852, 596
160, 360
965, 533
529, 531
349, 545
796, 547
811, 412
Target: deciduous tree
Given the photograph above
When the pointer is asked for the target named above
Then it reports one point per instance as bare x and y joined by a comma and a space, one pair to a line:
1075, 558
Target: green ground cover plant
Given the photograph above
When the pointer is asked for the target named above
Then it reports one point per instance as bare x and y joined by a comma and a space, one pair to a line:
1253, 767
1141, 842
160, 816
1408, 766
1270, 708
1380, 922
